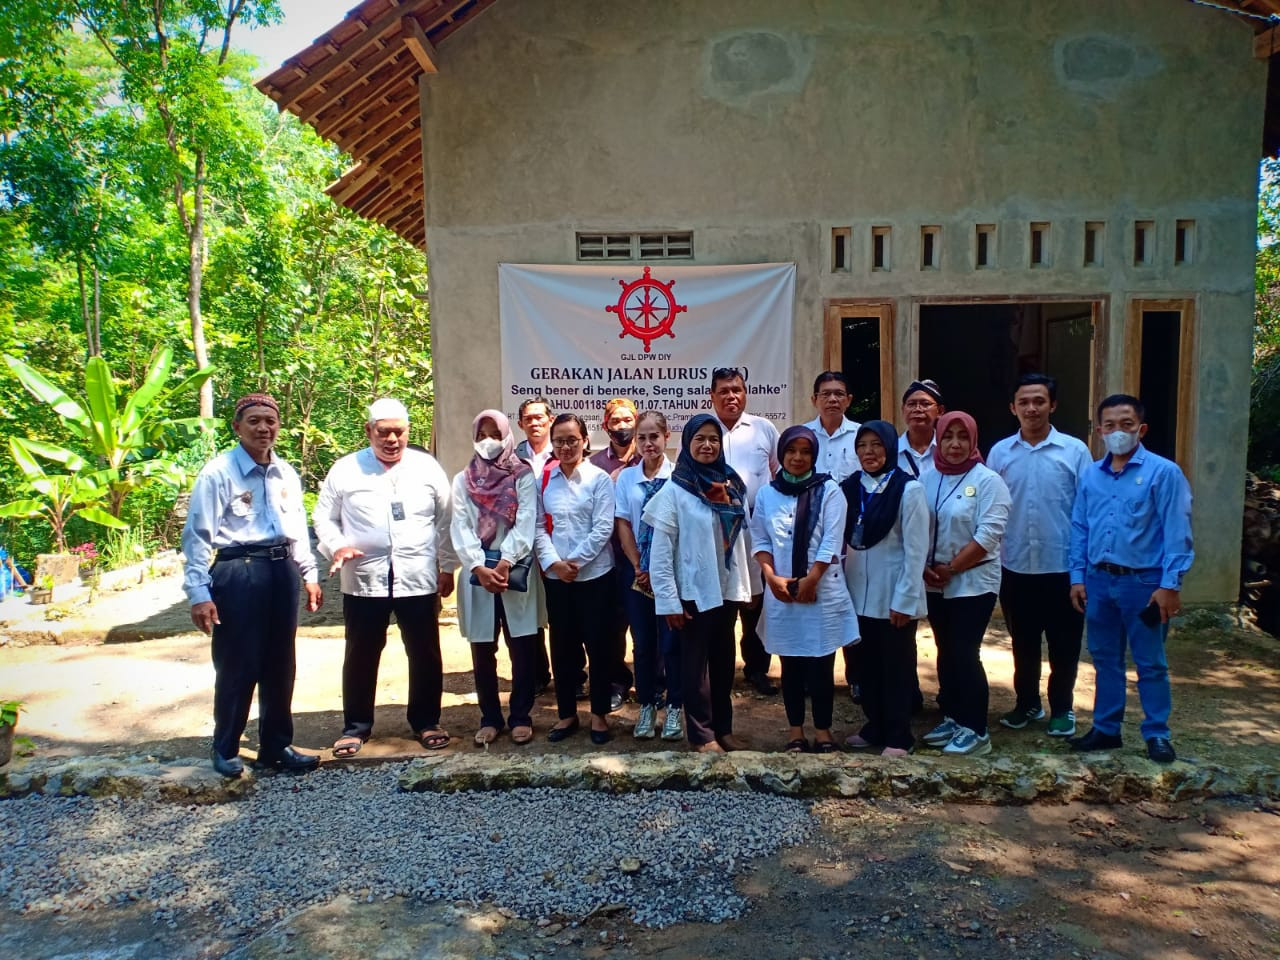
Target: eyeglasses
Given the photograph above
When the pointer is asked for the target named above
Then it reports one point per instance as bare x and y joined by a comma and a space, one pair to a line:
566, 442
920, 404
832, 395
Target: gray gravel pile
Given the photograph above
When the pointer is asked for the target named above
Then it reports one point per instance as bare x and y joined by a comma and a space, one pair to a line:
542, 853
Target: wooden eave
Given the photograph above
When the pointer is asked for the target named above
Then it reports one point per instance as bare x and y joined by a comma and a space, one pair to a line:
357, 85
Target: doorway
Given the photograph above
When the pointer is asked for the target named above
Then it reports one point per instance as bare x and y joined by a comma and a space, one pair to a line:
977, 352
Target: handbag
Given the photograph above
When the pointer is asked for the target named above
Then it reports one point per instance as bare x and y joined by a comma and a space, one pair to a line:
517, 576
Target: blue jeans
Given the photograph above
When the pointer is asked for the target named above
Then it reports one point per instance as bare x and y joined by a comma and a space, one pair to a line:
657, 652
1111, 617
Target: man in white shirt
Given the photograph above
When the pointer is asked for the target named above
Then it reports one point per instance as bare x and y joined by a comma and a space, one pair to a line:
751, 448
1042, 469
535, 421
836, 433
382, 518
921, 407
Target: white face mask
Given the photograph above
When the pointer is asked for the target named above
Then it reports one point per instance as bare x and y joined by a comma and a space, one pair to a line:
488, 448
1119, 442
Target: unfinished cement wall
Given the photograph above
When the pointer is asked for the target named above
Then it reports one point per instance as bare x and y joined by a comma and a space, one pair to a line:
762, 126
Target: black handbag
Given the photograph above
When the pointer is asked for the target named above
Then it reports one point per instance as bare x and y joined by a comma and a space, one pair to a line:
517, 576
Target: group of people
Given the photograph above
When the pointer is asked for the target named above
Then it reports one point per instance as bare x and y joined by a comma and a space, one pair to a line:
833, 536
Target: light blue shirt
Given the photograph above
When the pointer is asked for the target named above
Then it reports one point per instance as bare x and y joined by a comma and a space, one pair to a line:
1140, 518
836, 454
1042, 481
237, 502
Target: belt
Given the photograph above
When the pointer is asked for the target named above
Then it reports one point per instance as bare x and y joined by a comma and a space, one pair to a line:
1116, 570
254, 551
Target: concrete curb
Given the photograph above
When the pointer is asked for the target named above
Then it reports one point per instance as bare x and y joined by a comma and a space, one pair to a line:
1094, 778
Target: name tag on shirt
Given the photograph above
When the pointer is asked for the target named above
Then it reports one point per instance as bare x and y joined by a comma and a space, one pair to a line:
397, 510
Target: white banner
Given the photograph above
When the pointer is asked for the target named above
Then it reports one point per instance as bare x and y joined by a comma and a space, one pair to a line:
580, 335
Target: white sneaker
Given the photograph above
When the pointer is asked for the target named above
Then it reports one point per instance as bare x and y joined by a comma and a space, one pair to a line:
941, 735
966, 743
644, 729
673, 725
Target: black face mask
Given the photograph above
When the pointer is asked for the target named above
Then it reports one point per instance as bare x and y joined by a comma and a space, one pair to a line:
622, 436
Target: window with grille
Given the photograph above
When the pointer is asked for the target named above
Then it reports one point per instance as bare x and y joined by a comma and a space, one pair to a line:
636, 246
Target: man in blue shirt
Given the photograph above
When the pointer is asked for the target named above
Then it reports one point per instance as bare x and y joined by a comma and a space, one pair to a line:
1130, 548
245, 545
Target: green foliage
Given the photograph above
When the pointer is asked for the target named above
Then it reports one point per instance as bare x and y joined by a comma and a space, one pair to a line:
57, 497
1264, 419
9, 712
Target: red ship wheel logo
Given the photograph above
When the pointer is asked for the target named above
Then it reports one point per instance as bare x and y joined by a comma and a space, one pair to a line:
647, 309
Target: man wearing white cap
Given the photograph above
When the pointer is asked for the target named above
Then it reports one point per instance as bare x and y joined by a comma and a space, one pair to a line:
382, 518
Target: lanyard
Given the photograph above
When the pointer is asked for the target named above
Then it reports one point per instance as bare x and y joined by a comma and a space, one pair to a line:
938, 500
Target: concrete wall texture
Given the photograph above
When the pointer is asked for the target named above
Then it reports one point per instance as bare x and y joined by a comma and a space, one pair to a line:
762, 126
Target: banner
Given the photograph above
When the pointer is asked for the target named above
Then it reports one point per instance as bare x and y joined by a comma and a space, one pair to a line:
579, 335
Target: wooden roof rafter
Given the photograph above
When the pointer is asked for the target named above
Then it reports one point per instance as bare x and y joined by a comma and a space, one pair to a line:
357, 85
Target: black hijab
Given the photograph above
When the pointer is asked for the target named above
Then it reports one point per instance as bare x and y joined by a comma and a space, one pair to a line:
872, 516
715, 484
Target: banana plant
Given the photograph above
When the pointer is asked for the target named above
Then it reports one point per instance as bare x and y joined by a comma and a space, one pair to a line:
128, 441
59, 496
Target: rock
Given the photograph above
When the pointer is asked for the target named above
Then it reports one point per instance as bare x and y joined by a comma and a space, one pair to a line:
630, 865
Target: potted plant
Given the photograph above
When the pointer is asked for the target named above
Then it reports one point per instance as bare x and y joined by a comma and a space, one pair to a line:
8, 722
42, 589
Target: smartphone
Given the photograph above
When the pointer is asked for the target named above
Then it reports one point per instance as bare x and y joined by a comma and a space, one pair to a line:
1150, 614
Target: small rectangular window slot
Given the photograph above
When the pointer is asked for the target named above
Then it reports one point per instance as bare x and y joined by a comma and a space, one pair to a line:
840, 249
1184, 242
631, 246
1144, 241
880, 248
984, 245
1039, 244
930, 247
1093, 234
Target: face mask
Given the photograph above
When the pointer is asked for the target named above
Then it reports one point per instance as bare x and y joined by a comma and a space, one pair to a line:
622, 436
1119, 442
488, 448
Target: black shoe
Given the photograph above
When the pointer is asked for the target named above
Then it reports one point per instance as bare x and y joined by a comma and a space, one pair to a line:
556, 734
855, 693
581, 693
1095, 739
1160, 750
763, 684
601, 737
228, 768
289, 760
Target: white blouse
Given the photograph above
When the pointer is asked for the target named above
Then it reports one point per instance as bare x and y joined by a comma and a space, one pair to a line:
686, 559
890, 576
629, 491
581, 507
525, 611
964, 507
804, 629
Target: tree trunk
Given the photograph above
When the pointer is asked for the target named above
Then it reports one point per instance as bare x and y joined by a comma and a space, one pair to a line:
97, 310
89, 339
195, 248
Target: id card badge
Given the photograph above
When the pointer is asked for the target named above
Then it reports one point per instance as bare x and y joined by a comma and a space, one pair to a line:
397, 510
857, 534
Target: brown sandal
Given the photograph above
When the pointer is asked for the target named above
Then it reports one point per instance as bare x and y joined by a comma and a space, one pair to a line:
347, 747
434, 739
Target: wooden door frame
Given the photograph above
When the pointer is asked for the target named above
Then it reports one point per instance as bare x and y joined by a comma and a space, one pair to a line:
1185, 307
885, 311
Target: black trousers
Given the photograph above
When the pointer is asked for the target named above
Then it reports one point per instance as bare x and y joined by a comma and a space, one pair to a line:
257, 601
812, 677
888, 659
580, 614
706, 671
367, 619
755, 659
959, 624
1037, 604
524, 665
623, 576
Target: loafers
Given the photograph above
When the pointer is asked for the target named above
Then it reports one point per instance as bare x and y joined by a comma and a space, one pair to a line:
1095, 739
1160, 750
230, 768
556, 734
288, 760
601, 737
763, 684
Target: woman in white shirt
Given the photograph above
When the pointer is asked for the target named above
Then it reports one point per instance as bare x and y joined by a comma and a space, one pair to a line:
969, 507
656, 645
887, 534
698, 570
797, 526
572, 542
495, 504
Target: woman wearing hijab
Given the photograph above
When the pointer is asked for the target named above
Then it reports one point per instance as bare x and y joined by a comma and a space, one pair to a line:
969, 507
495, 506
697, 569
797, 527
887, 533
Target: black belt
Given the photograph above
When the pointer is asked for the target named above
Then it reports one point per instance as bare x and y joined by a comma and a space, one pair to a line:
255, 551
1116, 570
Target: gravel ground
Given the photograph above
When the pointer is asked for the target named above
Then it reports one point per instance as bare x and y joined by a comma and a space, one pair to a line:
298, 841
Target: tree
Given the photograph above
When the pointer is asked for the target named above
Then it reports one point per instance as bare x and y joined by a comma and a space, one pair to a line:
59, 496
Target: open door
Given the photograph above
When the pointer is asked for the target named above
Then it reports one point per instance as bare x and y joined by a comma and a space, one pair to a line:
858, 342
1159, 368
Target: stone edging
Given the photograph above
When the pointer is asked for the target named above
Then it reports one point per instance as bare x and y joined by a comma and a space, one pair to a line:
1096, 778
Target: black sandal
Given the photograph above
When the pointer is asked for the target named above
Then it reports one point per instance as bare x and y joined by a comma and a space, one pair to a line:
797, 746
824, 746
